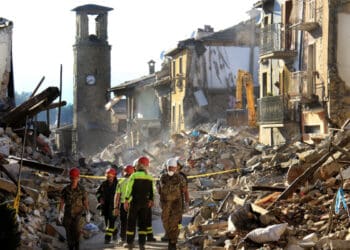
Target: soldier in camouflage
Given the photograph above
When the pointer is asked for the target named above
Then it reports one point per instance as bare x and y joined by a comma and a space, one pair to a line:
73, 203
172, 187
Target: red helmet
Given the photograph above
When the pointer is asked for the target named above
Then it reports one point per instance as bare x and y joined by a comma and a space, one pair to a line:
111, 171
144, 161
129, 169
74, 172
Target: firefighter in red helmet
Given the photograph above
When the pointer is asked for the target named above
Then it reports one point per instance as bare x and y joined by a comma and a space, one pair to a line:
138, 199
105, 197
120, 199
73, 203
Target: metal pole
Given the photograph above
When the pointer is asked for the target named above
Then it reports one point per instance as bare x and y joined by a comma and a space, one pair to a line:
37, 86
60, 98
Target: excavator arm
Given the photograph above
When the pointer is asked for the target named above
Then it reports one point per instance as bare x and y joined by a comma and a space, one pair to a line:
245, 79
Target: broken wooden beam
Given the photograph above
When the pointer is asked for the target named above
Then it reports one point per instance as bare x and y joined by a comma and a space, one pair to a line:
268, 188
341, 139
38, 165
55, 105
16, 117
12, 188
224, 201
255, 208
9, 175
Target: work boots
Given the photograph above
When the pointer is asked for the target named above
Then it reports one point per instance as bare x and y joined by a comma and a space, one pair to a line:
150, 238
115, 236
129, 246
164, 238
107, 239
171, 246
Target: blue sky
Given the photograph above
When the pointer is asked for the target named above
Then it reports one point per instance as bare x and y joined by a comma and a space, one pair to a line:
138, 30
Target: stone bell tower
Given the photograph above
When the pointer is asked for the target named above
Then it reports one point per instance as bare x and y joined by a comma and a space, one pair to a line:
92, 79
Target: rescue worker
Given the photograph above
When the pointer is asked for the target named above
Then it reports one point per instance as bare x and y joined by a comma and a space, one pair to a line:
73, 203
150, 236
138, 199
105, 197
172, 187
120, 199
185, 196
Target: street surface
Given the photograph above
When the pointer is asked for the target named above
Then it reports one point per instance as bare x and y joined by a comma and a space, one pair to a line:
96, 242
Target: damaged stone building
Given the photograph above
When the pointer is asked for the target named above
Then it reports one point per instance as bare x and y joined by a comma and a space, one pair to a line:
7, 92
196, 82
203, 72
303, 73
143, 115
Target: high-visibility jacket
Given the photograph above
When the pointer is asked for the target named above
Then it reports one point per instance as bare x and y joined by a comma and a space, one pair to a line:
139, 188
121, 188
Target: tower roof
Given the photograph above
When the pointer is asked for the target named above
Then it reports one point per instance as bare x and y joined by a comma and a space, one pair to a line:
92, 9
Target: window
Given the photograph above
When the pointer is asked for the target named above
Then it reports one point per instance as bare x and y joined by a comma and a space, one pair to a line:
312, 129
264, 84
311, 62
174, 68
179, 84
288, 36
180, 65
173, 114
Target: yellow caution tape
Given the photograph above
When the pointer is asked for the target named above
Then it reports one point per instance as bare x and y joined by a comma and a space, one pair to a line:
18, 197
189, 177
93, 177
213, 173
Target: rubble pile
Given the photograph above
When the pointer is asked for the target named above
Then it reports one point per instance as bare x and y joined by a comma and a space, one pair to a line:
294, 187
244, 195
35, 205
244, 192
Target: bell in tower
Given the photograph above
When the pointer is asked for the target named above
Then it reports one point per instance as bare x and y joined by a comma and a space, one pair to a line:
92, 79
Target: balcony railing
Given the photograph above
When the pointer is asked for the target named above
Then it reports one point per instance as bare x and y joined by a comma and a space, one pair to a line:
272, 110
276, 42
305, 15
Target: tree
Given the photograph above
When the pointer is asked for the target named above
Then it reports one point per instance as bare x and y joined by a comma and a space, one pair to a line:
66, 111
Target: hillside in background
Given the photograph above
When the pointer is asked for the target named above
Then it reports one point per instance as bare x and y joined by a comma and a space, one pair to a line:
66, 111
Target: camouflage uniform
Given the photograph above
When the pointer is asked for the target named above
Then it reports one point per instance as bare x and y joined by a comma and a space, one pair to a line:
171, 193
74, 207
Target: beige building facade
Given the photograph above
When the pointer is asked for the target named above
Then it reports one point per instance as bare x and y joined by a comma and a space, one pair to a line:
303, 76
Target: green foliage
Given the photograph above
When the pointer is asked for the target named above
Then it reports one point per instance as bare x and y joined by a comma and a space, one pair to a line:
66, 111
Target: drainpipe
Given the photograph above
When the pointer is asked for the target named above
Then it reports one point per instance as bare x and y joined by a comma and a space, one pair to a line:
301, 49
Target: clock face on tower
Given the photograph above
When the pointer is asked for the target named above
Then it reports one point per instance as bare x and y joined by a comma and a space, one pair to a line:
90, 79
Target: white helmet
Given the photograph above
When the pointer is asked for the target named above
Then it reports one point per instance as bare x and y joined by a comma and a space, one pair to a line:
172, 162
135, 162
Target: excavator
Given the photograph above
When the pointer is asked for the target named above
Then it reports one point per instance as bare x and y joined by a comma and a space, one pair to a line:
244, 78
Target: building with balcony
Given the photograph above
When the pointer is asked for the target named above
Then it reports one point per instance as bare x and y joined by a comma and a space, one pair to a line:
304, 83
